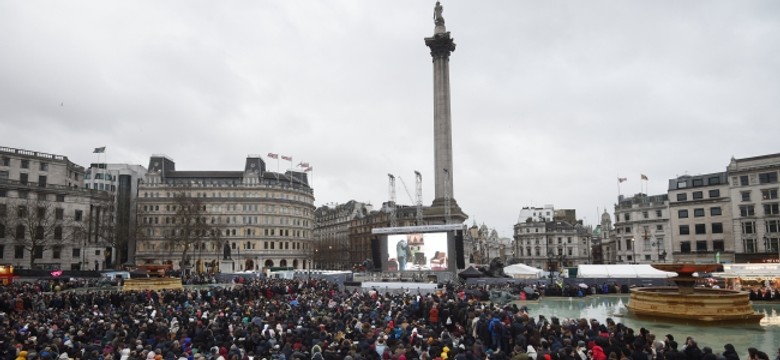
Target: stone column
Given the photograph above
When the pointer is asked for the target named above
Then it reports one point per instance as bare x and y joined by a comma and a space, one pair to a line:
441, 45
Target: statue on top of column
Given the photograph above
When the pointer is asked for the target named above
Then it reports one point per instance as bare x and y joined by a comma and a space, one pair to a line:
438, 19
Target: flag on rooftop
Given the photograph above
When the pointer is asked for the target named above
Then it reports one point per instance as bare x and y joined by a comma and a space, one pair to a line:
308, 169
303, 164
288, 158
621, 179
644, 177
101, 149
273, 156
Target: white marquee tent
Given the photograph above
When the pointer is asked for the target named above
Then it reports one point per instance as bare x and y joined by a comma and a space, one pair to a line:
622, 271
522, 271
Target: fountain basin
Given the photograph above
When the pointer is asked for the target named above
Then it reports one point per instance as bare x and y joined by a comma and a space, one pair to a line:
700, 305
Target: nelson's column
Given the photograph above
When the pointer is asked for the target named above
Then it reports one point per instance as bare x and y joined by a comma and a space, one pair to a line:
445, 209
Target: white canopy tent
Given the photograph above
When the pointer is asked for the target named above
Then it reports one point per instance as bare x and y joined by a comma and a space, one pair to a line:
522, 271
622, 271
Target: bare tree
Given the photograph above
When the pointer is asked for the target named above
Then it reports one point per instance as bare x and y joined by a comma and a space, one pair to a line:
187, 228
100, 228
36, 225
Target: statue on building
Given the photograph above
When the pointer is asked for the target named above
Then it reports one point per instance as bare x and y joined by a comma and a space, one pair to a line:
438, 19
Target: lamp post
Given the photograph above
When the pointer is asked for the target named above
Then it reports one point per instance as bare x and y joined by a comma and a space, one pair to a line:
633, 250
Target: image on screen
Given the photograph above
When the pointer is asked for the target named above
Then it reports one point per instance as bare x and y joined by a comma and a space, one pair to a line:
417, 252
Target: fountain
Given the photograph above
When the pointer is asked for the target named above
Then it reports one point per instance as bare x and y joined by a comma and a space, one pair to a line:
687, 302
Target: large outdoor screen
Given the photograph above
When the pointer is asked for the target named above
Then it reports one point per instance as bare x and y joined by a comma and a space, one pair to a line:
418, 252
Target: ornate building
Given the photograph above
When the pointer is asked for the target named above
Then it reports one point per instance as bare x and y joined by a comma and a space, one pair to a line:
642, 229
46, 216
552, 244
331, 234
227, 220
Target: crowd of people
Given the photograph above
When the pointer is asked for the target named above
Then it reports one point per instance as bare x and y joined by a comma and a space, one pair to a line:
312, 319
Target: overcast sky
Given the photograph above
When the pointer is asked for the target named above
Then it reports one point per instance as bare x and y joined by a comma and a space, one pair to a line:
551, 100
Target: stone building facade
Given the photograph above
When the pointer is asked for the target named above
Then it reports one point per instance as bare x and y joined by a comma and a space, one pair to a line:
642, 229
331, 234
245, 220
552, 244
45, 213
755, 207
701, 218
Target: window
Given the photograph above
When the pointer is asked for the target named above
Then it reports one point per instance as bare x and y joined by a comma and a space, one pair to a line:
682, 214
771, 209
701, 246
714, 180
56, 252
743, 180
698, 212
748, 227
659, 228
697, 182
44, 166
4, 174
715, 211
682, 197
58, 233
767, 178
38, 252
747, 210
685, 247
750, 245
772, 226
700, 229
745, 195
60, 197
717, 228
714, 193
682, 184
2, 231
79, 215
658, 213
75, 253
23, 178
771, 244
6, 161
2, 251
19, 252
645, 214
685, 230
59, 213
626, 216
769, 194
25, 164
20, 232
718, 245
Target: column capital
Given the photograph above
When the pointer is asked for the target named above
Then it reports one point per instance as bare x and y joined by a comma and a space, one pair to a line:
441, 45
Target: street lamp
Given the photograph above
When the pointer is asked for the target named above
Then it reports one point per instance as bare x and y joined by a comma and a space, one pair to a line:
633, 250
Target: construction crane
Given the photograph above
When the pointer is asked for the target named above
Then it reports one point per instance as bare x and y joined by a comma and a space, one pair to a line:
417, 200
391, 204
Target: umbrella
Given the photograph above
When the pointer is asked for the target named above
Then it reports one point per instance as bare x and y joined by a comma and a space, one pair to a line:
583, 285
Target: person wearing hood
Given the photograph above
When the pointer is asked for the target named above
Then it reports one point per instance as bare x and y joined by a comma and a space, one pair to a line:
729, 352
597, 353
